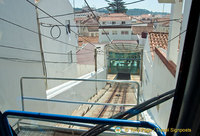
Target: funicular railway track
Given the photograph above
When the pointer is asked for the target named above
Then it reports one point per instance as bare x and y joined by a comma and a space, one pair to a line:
118, 96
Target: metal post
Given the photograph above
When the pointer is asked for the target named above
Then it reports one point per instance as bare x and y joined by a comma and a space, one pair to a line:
41, 48
22, 95
138, 100
141, 66
95, 61
138, 91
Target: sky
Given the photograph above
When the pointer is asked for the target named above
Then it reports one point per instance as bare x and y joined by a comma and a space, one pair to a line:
151, 5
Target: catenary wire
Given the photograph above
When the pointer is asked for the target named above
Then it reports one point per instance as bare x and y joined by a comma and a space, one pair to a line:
169, 20
31, 50
38, 61
33, 31
58, 21
99, 23
72, 13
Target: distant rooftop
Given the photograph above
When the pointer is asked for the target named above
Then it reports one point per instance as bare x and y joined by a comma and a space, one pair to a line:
114, 26
140, 29
124, 42
158, 39
84, 39
115, 17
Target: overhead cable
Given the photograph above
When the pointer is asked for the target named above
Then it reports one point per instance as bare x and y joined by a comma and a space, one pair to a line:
72, 13
58, 21
31, 50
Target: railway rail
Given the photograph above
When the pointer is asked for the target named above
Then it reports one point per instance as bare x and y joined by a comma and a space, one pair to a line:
118, 96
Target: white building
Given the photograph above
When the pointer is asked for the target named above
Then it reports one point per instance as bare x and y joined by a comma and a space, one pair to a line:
87, 26
161, 62
162, 24
116, 26
17, 62
40, 48
62, 33
114, 33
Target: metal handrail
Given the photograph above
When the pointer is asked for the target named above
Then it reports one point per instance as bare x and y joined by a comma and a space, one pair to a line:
75, 79
91, 120
76, 102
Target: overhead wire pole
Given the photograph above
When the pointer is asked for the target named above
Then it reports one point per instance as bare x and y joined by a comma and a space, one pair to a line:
56, 20
95, 61
41, 50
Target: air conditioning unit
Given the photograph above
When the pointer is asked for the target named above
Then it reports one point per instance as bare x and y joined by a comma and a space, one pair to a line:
166, 1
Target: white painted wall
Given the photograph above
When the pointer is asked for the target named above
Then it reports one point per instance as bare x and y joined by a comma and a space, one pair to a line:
119, 36
147, 72
75, 91
11, 71
163, 81
67, 69
174, 30
160, 28
157, 79
92, 34
187, 6
118, 22
142, 41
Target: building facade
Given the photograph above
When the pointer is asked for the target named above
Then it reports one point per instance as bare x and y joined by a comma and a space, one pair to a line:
161, 64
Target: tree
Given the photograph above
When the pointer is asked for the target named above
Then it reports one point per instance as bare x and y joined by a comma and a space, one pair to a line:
116, 6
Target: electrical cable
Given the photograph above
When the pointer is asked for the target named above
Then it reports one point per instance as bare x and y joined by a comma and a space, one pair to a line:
34, 31
170, 20
131, 115
63, 24
51, 32
57, 21
170, 40
100, 24
132, 112
139, 108
72, 13
37, 61
27, 29
30, 50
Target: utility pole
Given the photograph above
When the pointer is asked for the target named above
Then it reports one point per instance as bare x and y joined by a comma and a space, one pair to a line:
95, 63
41, 49
141, 66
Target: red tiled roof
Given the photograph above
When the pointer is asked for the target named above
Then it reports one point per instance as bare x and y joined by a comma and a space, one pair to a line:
163, 21
114, 26
146, 16
84, 39
158, 39
115, 17
90, 21
115, 14
140, 29
80, 18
